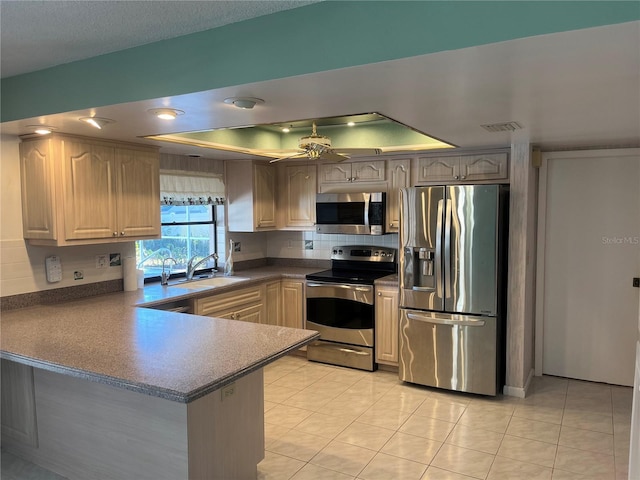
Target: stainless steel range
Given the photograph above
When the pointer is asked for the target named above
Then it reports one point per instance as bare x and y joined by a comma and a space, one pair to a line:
340, 305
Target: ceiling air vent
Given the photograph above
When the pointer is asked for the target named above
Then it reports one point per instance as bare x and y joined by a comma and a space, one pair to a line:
502, 127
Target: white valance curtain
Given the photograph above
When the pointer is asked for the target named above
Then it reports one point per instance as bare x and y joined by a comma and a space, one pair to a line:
189, 188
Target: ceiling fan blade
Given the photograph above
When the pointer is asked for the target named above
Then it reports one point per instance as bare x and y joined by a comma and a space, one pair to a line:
332, 156
359, 151
290, 157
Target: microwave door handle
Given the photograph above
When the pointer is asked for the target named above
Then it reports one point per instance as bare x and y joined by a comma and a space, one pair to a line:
367, 205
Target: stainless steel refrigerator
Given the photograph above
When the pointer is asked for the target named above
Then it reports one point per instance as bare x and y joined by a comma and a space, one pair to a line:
453, 286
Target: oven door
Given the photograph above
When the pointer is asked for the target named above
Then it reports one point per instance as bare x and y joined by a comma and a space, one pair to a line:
341, 312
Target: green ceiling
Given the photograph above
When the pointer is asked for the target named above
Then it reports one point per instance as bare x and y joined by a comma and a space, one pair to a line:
319, 37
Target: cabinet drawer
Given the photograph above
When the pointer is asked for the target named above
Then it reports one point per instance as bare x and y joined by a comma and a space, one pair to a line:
247, 313
228, 302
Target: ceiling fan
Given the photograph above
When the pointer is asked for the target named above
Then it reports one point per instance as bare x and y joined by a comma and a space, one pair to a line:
318, 147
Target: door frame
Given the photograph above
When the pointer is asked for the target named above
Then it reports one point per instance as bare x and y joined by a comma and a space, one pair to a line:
542, 231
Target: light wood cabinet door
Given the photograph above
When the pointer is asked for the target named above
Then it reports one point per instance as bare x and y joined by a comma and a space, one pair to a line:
484, 167
38, 200
272, 300
18, 405
265, 196
251, 199
79, 190
463, 169
373, 171
399, 176
89, 191
292, 304
300, 196
335, 173
138, 193
386, 312
437, 169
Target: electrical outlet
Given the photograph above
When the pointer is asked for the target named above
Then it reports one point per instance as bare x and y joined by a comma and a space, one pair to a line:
102, 261
236, 247
78, 275
636, 282
227, 391
308, 244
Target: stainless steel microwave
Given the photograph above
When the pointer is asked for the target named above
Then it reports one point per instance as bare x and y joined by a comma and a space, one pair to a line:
351, 213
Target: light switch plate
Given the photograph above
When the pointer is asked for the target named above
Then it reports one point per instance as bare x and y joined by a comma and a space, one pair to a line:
102, 261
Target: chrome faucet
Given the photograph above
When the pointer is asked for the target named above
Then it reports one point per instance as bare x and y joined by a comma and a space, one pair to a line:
164, 277
191, 267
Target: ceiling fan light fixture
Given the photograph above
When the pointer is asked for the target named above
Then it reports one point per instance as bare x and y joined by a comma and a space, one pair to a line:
246, 103
166, 113
96, 122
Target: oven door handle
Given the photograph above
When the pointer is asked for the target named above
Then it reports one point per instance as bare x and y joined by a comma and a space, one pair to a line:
357, 288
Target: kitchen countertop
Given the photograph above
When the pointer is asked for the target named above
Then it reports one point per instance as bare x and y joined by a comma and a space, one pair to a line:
388, 281
110, 339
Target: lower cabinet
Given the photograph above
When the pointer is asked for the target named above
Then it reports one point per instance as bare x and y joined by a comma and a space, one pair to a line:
279, 302
386, 311
18, 404
246, 304
285, 303
292, 314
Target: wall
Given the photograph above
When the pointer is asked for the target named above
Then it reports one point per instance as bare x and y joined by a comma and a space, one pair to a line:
21, 265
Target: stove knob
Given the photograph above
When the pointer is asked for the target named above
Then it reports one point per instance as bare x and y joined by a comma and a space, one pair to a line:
335, 252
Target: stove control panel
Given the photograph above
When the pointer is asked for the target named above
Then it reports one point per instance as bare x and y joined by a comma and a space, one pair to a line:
364, 253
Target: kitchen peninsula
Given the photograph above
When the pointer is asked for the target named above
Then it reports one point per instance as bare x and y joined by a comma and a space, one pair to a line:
101, 388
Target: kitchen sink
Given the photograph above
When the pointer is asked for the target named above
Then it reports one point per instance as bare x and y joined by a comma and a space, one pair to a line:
208, 282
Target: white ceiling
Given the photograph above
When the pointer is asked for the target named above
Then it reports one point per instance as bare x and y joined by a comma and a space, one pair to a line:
570, 89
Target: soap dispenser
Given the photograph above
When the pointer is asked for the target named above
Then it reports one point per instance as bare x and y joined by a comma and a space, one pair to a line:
228, 264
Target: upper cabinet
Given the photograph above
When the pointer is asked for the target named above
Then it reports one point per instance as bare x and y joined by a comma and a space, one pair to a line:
251, 196
297, 186
399, 176
338, 176
467, 168
79, 190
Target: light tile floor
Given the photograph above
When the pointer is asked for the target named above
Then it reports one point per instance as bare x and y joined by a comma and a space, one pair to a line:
332, 423
325, 422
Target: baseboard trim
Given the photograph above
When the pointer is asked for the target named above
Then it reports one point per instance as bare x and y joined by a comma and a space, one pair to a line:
519, 392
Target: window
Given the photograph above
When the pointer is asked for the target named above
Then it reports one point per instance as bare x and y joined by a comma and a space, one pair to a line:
187, 230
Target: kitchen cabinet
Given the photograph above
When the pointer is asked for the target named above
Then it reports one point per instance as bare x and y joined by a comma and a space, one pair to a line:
292, 292
78, 190
251, 196
386, 312
399, 176
297, 200
334, 176
285, 303
466, 168
18, 404
245, 304
273, 302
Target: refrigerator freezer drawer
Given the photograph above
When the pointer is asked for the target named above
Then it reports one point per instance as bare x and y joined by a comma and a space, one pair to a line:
455, 352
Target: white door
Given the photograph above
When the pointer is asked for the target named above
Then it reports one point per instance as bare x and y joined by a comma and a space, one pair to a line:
591, 225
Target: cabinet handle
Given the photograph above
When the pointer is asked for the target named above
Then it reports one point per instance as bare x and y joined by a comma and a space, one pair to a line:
456, 177
379, 294
391, 225
463, 177
115, 234
122, 234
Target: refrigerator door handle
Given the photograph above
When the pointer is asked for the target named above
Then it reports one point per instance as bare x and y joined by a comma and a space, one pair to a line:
462, 321
447, 249
438, 256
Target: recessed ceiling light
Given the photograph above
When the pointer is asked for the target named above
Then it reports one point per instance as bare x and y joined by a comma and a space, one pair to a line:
41, 129
351, 124
246, 103
96, 122
166, 113
286, 130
